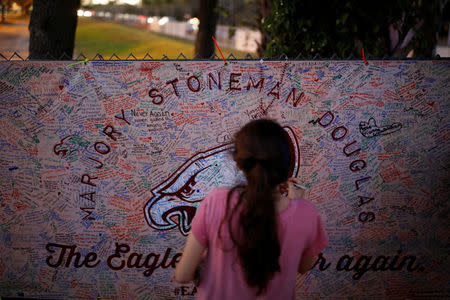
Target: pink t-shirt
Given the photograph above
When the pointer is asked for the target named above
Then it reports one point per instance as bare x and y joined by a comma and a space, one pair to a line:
300, 233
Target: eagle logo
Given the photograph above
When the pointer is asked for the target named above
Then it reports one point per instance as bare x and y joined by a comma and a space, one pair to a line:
175, 200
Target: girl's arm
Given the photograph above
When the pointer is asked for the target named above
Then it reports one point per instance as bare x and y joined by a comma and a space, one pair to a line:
191, 258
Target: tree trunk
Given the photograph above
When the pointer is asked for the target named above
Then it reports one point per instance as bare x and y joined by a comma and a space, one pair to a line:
265, 7
204, 44
52, 29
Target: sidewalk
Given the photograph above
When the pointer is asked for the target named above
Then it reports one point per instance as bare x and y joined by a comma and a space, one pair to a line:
14, 35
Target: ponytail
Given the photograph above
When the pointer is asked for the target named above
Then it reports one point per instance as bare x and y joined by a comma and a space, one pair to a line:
260, 151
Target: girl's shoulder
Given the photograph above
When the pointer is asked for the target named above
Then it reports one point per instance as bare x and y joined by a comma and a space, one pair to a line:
304, 205
215, 202
217, 195
218, 192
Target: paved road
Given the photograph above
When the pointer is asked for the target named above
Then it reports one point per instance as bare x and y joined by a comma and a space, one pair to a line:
14, 36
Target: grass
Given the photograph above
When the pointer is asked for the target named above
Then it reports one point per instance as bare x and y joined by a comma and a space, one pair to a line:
106, 38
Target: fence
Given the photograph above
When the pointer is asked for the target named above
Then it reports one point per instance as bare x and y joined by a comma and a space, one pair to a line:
231, 57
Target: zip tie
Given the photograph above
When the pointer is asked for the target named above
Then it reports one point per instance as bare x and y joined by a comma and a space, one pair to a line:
364, 57
78, 62
219, 49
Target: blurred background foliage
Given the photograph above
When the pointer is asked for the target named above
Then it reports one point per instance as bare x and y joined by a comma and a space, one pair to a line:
383, 28
391, 28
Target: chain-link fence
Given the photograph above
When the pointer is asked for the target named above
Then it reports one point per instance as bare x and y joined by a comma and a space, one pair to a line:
181, 56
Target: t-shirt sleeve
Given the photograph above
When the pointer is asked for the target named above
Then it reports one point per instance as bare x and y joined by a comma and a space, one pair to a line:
318, 241
198, 225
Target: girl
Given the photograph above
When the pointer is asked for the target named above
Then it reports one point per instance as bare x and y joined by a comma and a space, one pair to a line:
256, 238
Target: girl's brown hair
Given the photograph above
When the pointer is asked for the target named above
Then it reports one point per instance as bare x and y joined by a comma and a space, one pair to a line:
262, 152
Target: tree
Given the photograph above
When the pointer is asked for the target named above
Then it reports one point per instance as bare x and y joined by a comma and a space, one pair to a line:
4, 4
204, 44
265, 7
383, 28
24, 5
52, 29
